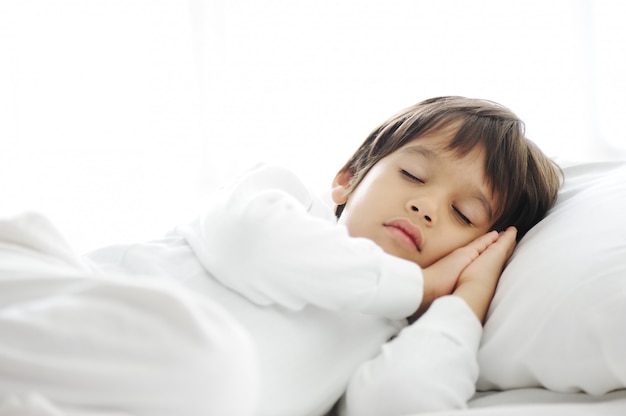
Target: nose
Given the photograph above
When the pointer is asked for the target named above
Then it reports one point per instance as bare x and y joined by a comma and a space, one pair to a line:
423, 209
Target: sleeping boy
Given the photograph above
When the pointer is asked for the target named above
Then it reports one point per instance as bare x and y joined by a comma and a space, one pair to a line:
428, 210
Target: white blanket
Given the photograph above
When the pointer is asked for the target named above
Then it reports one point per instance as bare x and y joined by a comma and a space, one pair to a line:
79, 342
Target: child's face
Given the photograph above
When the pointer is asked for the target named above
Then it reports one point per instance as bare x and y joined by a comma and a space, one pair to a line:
421, 202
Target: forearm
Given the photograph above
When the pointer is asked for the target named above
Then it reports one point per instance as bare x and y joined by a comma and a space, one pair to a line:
430, 366
261, 240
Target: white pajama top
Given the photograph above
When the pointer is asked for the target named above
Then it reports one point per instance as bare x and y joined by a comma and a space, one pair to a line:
317, 303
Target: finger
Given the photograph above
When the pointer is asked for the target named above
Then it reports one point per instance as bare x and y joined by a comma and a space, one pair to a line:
481, 243
463, 256
451, 266
471, 251
502, 249
508, 240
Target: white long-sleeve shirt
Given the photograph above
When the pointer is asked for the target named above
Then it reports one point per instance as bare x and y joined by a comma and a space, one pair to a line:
317, 302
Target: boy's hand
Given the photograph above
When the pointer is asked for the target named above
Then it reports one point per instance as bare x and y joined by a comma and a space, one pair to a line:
441, 277
477, 283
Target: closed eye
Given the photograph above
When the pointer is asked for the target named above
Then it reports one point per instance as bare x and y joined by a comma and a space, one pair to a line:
461, 217
410, 176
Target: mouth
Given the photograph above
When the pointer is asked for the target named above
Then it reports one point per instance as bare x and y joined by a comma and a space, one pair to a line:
406, 231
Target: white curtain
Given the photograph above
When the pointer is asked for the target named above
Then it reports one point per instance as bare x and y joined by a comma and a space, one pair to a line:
118, 117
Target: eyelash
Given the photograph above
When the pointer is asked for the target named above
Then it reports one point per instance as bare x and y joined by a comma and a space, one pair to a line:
462, 217
457, 212
410, 176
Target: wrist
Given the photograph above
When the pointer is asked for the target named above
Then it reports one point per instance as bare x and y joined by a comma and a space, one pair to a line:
478, 297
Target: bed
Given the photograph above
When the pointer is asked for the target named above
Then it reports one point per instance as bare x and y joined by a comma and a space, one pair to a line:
554, 341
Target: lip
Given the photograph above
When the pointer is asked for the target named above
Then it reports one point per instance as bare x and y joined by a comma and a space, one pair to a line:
408, 229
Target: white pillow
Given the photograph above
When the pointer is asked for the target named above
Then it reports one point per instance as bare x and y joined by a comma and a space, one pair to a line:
558, 319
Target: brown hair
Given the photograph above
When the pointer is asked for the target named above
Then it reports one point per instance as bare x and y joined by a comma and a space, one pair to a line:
525, 180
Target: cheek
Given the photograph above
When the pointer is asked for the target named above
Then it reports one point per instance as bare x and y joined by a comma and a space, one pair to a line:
364, 209
367, 196
355, 214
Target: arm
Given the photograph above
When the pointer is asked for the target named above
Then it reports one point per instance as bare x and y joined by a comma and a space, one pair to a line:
269, 239
432, 364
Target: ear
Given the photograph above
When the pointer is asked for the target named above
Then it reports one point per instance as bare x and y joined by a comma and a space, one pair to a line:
341, 187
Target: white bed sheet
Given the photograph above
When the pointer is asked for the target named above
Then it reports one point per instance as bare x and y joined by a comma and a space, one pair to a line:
520, 402
542, 402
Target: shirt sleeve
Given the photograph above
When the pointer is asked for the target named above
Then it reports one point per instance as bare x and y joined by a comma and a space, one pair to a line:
271, 240
430, 366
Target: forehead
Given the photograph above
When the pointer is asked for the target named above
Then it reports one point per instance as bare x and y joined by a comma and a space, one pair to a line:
435, 146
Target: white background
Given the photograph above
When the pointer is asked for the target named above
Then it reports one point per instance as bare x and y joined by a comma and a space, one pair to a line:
119, 117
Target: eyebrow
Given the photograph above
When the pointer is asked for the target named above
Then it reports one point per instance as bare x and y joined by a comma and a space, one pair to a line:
431, 155
421, 151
